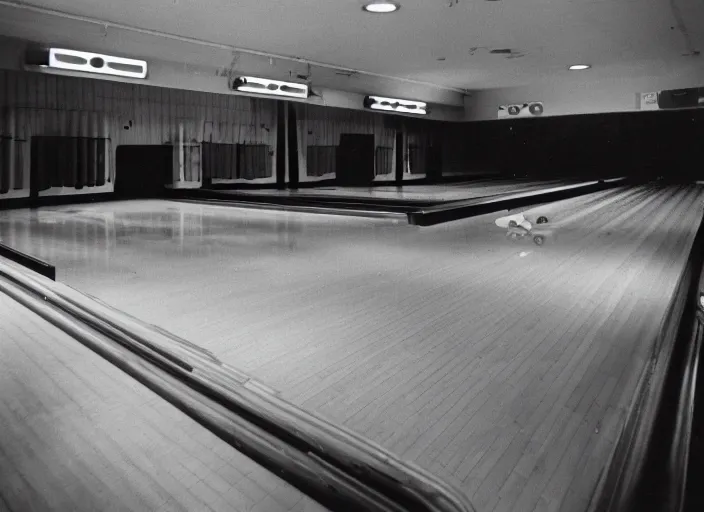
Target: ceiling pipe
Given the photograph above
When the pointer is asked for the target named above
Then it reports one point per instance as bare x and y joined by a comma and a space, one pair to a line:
220, 46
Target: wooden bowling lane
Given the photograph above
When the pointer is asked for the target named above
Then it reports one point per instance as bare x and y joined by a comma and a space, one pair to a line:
504, 367
422, 193
78, 434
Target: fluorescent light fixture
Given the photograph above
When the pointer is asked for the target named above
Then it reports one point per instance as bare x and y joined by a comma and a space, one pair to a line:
88, 62
396, 105
270, 87
579, 67
381, 7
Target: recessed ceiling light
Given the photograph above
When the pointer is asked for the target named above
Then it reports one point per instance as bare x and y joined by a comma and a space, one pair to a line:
381, 7
579, 67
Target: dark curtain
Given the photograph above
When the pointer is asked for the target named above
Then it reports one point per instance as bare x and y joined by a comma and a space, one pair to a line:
418, 159
101, 148
384, 161
254, 161
5, 164
321, 160
68, 162
219, 161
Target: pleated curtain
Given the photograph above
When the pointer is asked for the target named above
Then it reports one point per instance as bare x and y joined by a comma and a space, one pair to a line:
321, 160
384, 161
5, 164
74, 162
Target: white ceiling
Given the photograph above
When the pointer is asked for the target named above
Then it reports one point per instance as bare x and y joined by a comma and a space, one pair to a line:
620, 38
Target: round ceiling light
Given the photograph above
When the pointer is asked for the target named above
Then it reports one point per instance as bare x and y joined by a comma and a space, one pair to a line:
579, 67
381, 7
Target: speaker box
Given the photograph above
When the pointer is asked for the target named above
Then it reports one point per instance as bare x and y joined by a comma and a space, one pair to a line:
681, 98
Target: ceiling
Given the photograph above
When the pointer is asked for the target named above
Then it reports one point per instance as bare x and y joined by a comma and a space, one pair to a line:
619, 38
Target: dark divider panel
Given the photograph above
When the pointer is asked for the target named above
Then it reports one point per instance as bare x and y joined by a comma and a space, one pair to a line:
143, 171
280, 144
400, 157
74, 162
355, 160
38, 158
434, 163
418, 158
30, 262
19, 163
65, 161
292, 142
53, 150
321, 160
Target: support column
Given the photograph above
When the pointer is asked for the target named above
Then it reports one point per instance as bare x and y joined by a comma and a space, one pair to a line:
400, 153
280, 145
292, 147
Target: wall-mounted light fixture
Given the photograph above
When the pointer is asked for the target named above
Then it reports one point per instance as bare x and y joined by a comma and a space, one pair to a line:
270, 87
396, 105
88, 62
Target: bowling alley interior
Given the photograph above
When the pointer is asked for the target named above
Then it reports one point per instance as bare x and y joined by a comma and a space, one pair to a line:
362, 255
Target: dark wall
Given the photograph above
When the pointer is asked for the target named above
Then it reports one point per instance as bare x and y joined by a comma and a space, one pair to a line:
646, 144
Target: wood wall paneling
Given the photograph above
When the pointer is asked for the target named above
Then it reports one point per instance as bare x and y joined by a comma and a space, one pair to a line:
319, 130
35, 104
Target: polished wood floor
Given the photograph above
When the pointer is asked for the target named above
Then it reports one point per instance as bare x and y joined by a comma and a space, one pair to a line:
504, 367
78, 434
423, 193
